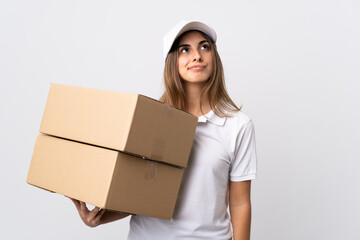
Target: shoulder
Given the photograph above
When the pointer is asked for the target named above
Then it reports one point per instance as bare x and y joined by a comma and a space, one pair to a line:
238, 120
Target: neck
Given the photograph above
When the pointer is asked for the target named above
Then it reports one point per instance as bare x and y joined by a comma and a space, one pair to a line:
193, 92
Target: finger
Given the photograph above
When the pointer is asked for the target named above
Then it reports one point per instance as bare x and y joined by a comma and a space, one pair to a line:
94, 212
76, 202
99, 215
83, 206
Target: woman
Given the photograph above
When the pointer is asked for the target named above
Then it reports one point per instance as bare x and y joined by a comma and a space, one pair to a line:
223, 157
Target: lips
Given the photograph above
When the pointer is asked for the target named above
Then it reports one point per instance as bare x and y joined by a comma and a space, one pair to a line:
197, 67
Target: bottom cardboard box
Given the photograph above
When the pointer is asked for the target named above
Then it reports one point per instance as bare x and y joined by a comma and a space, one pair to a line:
105, 178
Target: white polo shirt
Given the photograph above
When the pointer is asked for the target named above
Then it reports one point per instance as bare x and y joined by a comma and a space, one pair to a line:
223, 150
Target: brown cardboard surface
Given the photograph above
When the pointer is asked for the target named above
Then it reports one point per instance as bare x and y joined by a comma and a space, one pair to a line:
105, 178
163, 132
122, 121
144, 187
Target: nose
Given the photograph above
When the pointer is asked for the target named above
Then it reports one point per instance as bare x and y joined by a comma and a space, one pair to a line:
197, 56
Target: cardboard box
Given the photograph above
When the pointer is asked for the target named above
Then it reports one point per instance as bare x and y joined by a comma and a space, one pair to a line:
105, 178
125, 122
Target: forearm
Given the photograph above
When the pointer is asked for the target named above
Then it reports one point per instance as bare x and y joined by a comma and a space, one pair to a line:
110, 216
241, 221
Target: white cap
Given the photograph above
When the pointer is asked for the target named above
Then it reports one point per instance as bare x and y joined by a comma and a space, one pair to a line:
185, 26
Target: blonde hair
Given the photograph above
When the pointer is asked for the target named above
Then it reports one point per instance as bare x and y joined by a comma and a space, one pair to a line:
174, 94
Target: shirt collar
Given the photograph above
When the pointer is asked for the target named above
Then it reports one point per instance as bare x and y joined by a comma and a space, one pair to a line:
213, 118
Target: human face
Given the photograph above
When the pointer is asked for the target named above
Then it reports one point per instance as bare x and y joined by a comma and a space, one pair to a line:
195, 61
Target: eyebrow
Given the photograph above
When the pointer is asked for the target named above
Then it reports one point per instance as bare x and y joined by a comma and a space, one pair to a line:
187, 45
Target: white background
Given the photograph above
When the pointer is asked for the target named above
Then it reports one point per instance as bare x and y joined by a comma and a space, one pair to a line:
294, 65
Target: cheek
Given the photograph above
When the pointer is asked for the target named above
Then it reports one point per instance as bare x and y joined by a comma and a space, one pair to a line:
181, 65
181, 62
212, 63
212, 68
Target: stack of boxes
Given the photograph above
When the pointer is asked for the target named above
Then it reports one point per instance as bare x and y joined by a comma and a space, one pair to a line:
118, 151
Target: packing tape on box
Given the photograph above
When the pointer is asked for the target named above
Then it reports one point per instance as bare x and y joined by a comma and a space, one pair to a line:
157, 149
151, 170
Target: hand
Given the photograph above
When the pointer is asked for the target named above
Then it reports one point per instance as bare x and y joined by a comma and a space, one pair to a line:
90, 218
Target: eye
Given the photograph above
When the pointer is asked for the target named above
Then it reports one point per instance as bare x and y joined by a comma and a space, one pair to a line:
184, 50
205, 47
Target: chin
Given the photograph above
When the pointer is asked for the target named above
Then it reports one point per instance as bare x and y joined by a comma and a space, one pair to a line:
195, 80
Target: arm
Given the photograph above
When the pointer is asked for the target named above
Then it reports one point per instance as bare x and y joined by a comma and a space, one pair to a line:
96, 216
240, 209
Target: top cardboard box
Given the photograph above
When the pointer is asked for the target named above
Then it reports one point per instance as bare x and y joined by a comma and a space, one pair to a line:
127, 122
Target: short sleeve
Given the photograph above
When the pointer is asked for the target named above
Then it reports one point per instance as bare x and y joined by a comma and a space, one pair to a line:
244, 164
